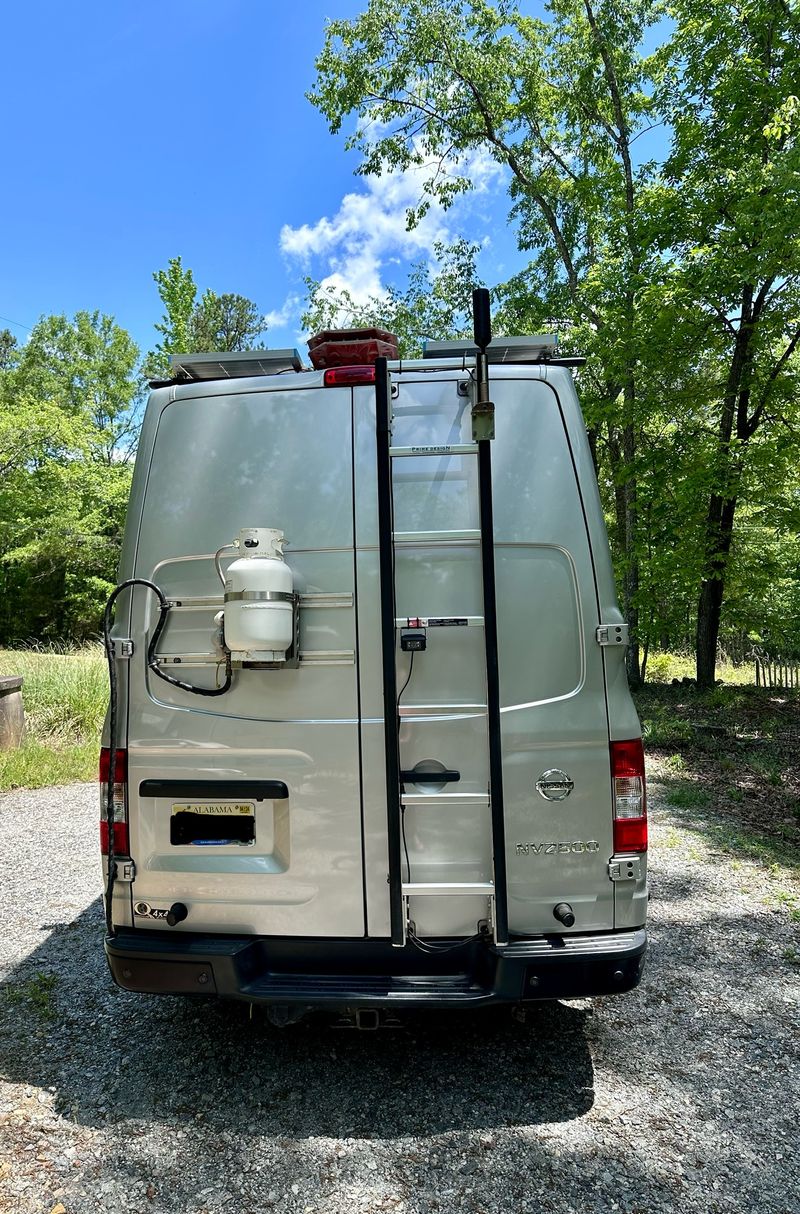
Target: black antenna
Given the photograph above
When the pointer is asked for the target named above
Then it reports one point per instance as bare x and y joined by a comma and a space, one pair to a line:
482, 318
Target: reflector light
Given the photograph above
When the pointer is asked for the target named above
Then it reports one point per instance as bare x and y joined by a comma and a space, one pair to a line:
342, 377
121, 843
630, 834
630, 803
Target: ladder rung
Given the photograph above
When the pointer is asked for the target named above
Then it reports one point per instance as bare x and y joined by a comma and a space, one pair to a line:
435, 537
462, 888
422, 798
439, 710
441, 449
439, 621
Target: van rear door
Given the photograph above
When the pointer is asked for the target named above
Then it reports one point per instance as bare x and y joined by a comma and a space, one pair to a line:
556, 768
222, 460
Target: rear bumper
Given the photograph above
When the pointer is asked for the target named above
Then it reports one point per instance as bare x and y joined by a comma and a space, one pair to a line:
370, 973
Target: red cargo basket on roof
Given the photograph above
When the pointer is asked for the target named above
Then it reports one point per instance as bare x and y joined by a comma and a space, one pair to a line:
350, 347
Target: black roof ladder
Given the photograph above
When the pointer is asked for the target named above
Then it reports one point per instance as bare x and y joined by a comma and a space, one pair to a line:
400, 891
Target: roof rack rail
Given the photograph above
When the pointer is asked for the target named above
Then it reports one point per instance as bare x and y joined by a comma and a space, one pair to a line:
535, 348
237, 364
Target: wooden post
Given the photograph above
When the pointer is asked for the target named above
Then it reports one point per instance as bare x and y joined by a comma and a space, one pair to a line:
12, 713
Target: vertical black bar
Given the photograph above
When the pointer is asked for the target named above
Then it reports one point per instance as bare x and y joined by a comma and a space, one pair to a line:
388, 639
493, 691
481, 317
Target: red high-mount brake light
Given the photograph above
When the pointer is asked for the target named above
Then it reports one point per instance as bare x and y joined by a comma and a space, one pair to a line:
343, 377
350, 347
630, 802
121, 842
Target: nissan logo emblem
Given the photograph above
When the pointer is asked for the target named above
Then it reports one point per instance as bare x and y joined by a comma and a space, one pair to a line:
554, 785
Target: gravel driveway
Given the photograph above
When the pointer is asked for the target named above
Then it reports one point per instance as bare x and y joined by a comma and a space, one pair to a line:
682, 1095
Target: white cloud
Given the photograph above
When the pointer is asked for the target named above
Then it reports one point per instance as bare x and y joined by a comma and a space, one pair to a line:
369, 229
281, 316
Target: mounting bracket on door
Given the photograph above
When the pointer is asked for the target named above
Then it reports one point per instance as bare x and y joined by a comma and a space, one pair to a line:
613, 634
482, 407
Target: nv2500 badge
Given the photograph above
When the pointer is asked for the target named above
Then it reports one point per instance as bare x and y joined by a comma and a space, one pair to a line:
575, 847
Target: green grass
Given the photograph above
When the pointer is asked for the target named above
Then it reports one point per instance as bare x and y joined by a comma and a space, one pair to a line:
65, 693
36, 993
664, 667
778, 855
663, 729
686, 795
768, 768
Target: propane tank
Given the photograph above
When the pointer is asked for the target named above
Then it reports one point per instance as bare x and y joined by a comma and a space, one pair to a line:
259, 603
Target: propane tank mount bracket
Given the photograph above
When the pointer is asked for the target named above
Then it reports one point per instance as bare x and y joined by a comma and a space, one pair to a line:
292, 659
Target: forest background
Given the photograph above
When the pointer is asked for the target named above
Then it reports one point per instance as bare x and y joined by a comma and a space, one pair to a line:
653, 168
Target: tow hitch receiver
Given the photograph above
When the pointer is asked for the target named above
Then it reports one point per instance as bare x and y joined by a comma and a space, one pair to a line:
368, 1019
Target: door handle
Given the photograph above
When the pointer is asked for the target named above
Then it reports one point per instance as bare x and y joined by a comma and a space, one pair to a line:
429, 777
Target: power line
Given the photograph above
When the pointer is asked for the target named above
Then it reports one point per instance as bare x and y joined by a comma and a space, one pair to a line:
18, 323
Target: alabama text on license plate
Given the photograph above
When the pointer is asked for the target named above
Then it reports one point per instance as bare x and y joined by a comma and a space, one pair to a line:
218, 809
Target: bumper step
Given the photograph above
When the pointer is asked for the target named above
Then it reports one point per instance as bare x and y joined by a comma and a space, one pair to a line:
365, 988
372, 973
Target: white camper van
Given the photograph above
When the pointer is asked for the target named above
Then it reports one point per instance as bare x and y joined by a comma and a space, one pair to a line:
371, 743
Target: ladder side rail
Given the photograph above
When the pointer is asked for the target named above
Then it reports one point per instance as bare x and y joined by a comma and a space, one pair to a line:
483, 433
493, 691
388, 645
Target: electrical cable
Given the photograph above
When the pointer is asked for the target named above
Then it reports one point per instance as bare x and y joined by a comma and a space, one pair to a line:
425, 946
152, 664
17, 323
408, 677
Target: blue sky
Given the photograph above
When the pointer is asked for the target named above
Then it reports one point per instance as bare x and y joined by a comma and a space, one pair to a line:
135, 132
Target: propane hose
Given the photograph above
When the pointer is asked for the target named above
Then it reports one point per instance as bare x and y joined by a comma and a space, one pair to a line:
152, 663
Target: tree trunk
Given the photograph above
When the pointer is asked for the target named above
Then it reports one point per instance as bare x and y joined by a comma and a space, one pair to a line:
621, 451
631, 583
712, 588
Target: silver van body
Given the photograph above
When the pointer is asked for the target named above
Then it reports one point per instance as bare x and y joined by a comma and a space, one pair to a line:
300, 914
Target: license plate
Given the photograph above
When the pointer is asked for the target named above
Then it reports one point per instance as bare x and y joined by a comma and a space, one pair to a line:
212, 823
217, 809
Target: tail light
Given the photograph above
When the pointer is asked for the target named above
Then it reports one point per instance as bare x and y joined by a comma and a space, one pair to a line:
121, 843
630, 803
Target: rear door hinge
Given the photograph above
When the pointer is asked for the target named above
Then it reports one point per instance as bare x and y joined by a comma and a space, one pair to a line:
613, 634
123, 648
626, 868
126, 870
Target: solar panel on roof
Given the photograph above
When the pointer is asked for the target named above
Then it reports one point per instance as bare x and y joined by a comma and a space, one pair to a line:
234, 364
502, 350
